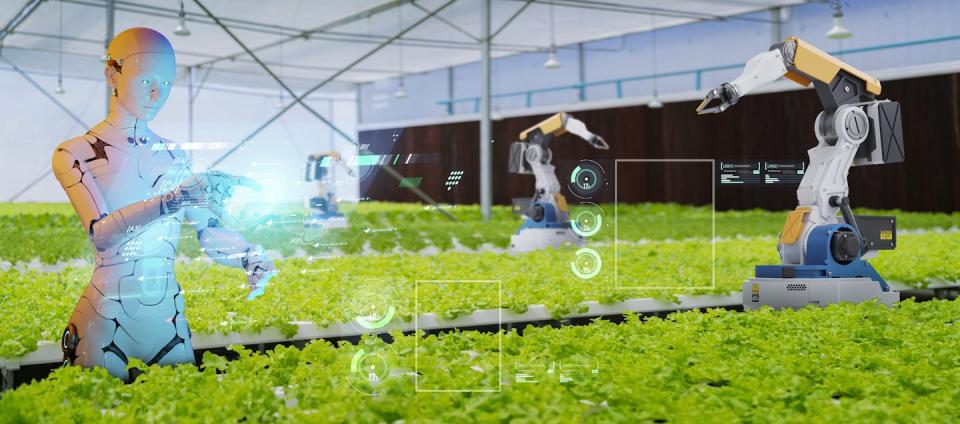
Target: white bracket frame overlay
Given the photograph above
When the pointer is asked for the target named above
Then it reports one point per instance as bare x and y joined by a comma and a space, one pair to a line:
416, 329
713, 223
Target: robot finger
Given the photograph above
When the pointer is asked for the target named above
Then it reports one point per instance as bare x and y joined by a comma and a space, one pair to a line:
599, 143
725, 95
258, 287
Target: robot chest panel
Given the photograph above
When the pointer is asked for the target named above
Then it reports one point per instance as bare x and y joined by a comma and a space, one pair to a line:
131, 176
159, 238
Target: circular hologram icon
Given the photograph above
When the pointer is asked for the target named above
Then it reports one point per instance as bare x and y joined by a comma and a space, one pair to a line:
586, 179
370, 305
586, 264
304, 229
586, 219
249, 207
371, 365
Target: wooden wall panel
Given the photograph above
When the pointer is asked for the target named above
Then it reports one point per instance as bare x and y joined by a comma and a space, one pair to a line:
765, 126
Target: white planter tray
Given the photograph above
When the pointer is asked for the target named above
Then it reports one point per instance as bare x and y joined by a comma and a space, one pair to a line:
49, 352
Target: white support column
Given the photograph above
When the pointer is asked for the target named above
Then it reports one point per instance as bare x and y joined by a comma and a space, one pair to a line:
190, 97
486, 189
776, 24
106, 42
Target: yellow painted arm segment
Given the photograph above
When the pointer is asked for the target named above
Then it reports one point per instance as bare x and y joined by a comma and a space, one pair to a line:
552, 125
817, 64
794, 225
561, 203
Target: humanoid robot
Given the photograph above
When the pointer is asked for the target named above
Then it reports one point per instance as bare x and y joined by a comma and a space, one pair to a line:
823, 258
132, 190
323, 205
546, 222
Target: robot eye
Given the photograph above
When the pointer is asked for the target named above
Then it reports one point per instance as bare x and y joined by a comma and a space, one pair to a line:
166, 83
145, 82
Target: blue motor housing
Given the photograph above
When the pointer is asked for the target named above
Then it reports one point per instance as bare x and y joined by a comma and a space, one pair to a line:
821, 259
550, 219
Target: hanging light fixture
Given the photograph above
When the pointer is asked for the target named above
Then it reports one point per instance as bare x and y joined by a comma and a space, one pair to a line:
59, 89
401, 93
838, 32
182, 29
552, 62
655, 102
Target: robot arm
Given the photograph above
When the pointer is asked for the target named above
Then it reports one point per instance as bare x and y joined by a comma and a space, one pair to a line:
106, 229
229, 248
532, 152
532, 155
762, 69
854, 129
836, 82
560, 124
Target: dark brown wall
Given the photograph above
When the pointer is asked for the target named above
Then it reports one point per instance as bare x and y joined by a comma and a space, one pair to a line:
767, 126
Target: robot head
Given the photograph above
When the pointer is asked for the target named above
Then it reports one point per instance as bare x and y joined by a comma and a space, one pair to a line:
140, 71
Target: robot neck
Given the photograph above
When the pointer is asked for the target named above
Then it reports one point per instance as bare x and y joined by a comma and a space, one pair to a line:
119, 120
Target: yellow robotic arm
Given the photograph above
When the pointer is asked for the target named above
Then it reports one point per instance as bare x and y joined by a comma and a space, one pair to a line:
558, 125
836, 82
854, 128
547, 210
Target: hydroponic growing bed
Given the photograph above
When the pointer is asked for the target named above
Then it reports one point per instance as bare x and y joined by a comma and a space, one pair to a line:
315, 291
859, 363
317, 286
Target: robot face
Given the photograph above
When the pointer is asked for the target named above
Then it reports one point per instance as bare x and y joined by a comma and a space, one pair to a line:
144, 83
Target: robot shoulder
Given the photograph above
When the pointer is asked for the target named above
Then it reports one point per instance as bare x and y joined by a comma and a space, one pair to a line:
72, 154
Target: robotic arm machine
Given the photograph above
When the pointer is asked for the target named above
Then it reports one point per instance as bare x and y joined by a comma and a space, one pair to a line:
319, 170
546, 213
822, 256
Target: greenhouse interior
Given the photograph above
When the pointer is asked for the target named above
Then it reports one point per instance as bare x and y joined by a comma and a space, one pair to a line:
448, 211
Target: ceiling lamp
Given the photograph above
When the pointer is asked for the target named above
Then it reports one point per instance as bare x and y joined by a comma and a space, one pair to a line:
655, 103
552, 62
400, 93
182, 29
59, 89
838, 32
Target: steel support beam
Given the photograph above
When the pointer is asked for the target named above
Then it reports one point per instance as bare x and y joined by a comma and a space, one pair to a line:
299, 99
511, 19
18, 19
646, 10
486, 180
776, 25
416, 190
456, 27
581, 73
191, 95
267, 69
450, 89
323, 28
56, 102
326, 81
111, 17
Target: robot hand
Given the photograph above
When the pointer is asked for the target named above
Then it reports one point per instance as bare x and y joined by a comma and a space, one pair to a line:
211, 190
260, 270
726, 93
578, 128
762, 69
